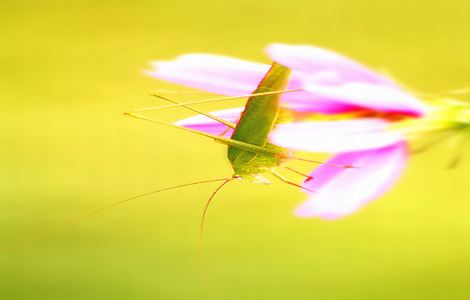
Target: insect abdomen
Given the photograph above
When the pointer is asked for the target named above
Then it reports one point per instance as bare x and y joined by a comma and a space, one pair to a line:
260, 116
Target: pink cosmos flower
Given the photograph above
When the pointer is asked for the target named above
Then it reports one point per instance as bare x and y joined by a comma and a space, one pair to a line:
359, 110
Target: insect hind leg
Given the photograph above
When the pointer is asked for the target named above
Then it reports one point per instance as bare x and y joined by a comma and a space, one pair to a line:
283, 179
308, 177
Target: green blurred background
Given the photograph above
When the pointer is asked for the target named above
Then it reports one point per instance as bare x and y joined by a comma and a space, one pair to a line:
69, 69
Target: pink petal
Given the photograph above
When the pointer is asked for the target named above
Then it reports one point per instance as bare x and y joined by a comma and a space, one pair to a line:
208, 125
324, 66
335, 136
212, 73
341, 192
330, 76
376, 97
234, 77
306, 102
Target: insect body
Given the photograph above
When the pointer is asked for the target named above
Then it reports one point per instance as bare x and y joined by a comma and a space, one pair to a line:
256, 122
249, 151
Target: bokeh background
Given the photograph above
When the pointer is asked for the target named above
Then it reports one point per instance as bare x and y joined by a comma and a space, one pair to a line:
69, 69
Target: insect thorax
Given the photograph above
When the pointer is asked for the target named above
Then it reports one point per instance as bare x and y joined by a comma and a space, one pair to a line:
249, 165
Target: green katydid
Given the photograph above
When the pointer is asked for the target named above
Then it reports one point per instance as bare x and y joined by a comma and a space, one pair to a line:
249, 150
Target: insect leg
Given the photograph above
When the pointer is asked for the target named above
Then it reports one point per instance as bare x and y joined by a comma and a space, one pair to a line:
299, 173
223, 140
232, 142
280, 177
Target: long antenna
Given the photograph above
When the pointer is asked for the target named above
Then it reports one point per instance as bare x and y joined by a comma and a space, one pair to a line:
206, 207
158, 94
220, 120
51, 230
95, 211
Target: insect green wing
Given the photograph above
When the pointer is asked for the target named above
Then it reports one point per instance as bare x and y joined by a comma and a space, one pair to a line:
255, 124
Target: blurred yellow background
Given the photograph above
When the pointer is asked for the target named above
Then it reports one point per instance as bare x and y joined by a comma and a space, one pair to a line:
69, 69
